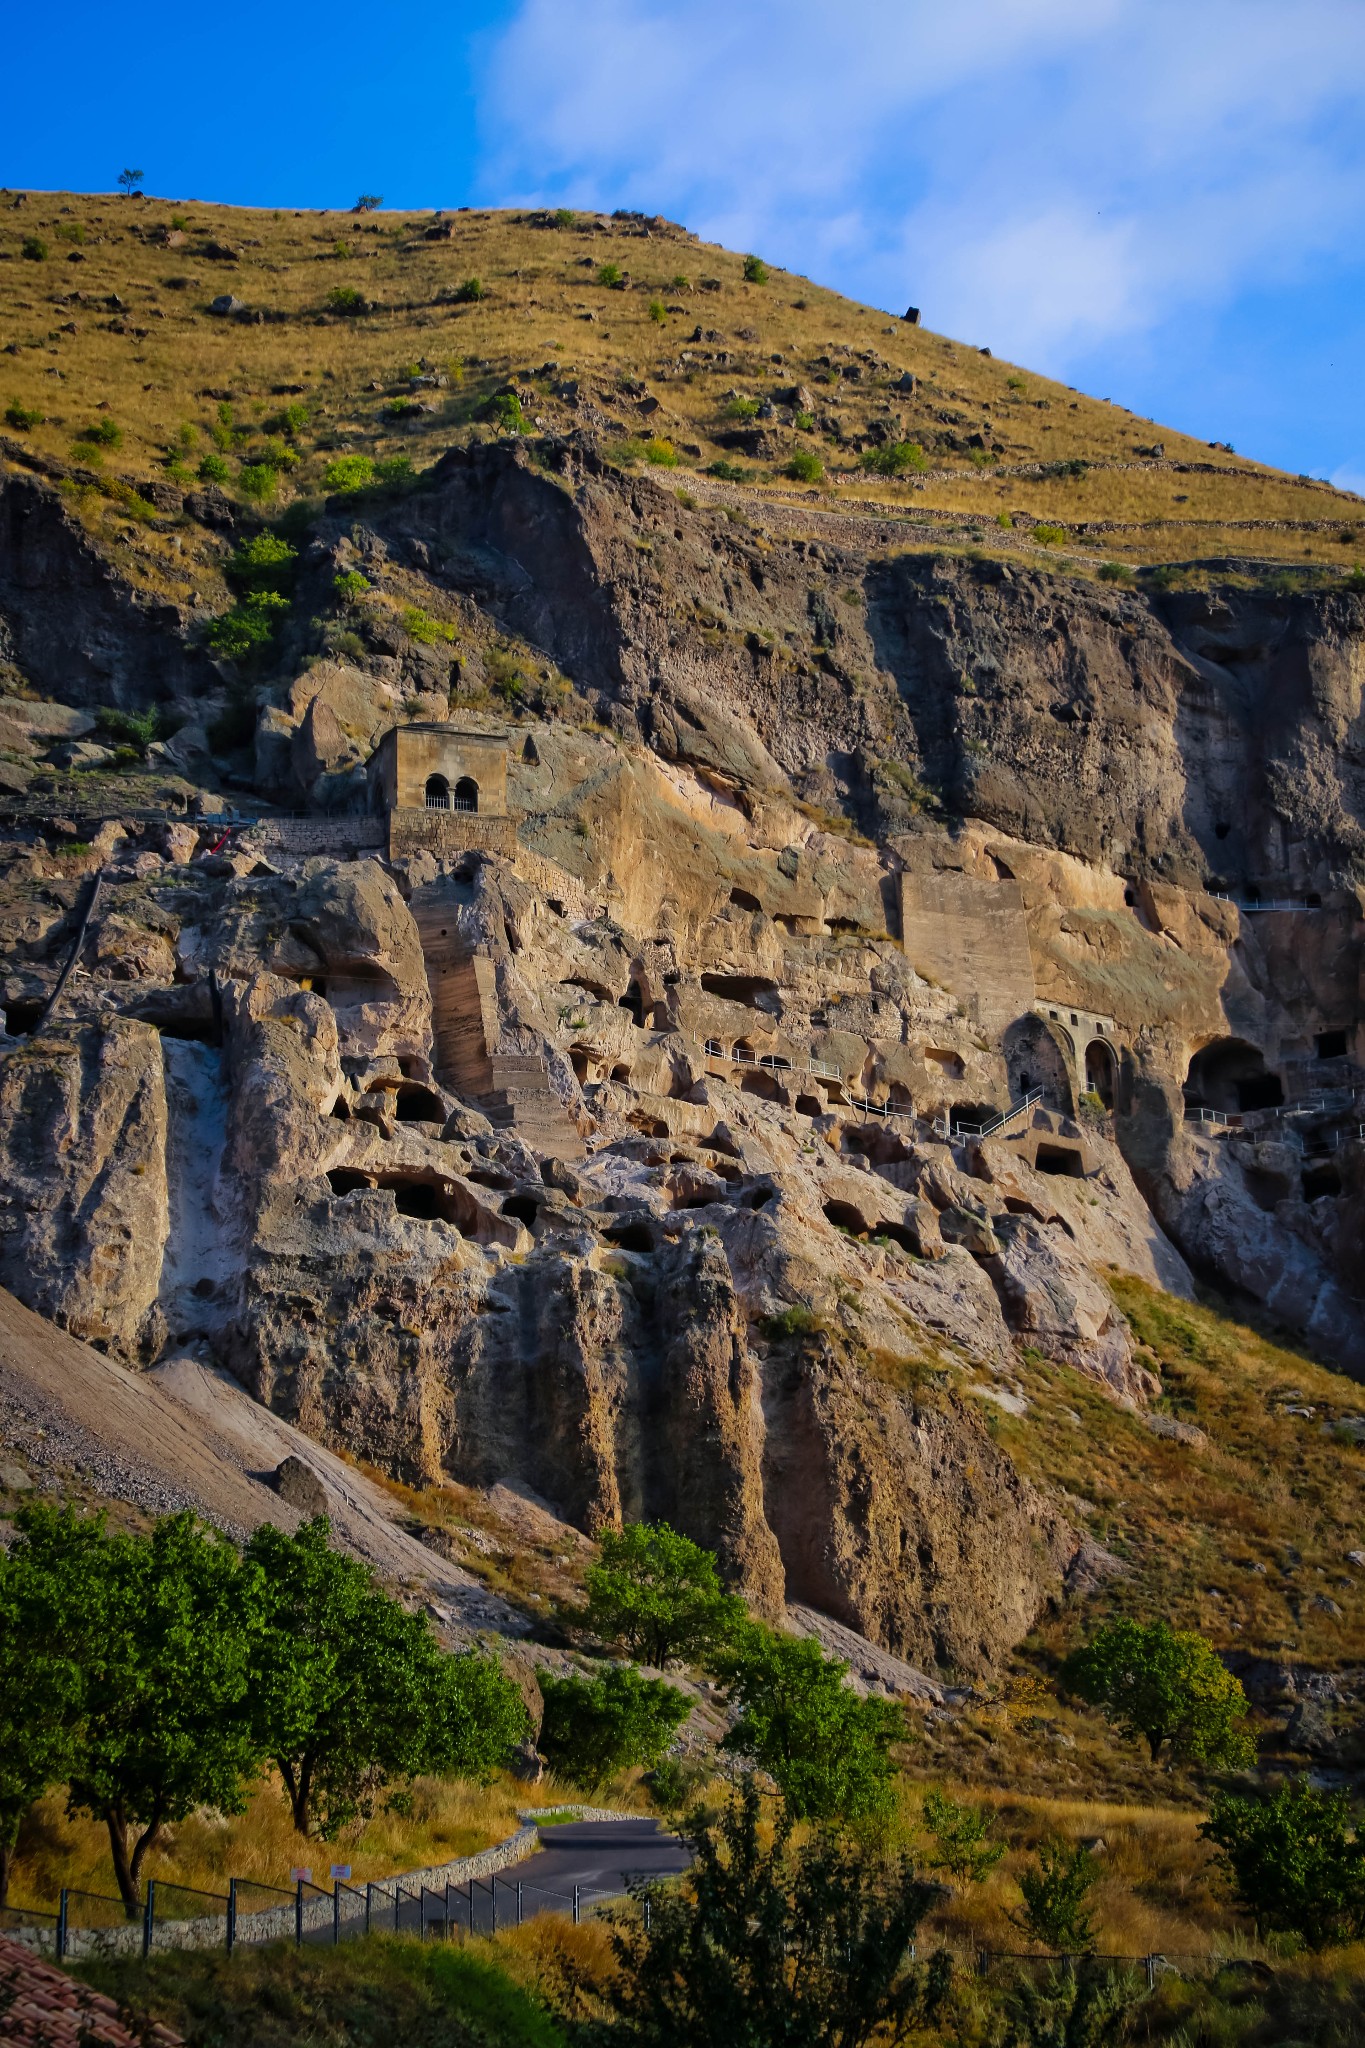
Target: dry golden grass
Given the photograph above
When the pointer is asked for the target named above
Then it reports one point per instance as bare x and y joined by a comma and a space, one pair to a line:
1246, 1539
448, 1819
160, 363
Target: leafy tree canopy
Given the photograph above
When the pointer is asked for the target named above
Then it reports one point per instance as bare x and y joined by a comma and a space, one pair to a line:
1295, 1862
962, 1840
827, 1748
595, 1727
1167, 1686
658, 1595
764, 1943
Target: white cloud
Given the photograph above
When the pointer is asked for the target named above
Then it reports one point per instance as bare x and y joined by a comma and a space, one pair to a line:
1042, 175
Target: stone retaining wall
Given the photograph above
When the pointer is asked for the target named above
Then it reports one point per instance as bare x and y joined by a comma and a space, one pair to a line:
278, 1923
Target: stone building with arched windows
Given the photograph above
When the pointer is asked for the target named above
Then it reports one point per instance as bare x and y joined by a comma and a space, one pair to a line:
442, 788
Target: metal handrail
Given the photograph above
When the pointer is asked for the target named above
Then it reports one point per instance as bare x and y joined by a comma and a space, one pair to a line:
1006, 1116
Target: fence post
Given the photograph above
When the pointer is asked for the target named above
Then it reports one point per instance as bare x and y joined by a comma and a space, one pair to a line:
61, 1925
231, 1914
647, 1915
336, 1912
149, 1919
575, 1905
421, 1912
298, 1914
469, 1903
518, 1902
369, 1895
397, 1888
493, 1888
1151, 1972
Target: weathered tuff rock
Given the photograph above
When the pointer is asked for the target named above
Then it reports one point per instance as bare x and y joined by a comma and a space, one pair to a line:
705, 1280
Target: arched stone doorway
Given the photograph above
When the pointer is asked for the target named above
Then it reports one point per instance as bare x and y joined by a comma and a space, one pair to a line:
1101, 1071
1036, 1057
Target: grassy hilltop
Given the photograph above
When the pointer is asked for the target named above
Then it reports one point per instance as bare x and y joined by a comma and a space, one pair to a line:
390, 336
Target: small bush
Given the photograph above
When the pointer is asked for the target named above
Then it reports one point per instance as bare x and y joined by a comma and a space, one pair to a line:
23, 417
679, 283
728, 472
344, 298
391, 469
350, 586
258, 482
249, 627
1004, 519
627, 452
506, 410
1115, 572
422, 627
71, 231
214, 469
348, 473
565, 217
686, 500
661, 453
796, 1321
755, 271
291, 420
1050, 536
804, 422
103, 434
265, 562
742, 409
34, 248
805, 467
470, 292
1015, 383
611, 275
898, 459
658, 312
1055, 1892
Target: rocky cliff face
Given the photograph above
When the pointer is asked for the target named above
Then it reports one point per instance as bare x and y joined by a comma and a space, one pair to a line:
645, 1166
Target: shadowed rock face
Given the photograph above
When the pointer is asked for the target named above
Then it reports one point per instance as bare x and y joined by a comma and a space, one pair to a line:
559, 1168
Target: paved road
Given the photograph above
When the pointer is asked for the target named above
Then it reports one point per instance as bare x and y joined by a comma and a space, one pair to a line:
598, 1857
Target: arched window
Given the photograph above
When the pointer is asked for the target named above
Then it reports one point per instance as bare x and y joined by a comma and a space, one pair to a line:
466, 794
438, 793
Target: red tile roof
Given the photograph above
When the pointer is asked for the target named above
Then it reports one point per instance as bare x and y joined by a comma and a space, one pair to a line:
41, 2007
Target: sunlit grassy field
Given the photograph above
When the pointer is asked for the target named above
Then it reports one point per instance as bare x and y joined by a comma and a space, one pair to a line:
104, 317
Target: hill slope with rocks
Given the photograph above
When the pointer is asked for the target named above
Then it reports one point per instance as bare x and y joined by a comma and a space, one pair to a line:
891, 949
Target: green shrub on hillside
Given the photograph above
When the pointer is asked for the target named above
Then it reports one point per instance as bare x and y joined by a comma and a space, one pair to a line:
595, 1727
265, 562
900, 458
611, 275
350, 585
22, 417
470, 292
1115, 572
34, 248
258, 482
249, 627
505, 408
348, 473
1050, 536
214, 469
658, 312
1295, 1860
422, 627
345, 298
1055, 1893
661, 453
805, 467
755, 270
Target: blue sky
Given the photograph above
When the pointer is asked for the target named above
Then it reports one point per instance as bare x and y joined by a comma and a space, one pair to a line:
1160, 201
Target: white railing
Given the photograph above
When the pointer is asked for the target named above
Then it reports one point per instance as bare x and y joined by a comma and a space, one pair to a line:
1217, 1117
1277, 903
1006, 1116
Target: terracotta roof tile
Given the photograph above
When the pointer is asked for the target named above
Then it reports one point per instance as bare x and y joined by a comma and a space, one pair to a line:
41, 2007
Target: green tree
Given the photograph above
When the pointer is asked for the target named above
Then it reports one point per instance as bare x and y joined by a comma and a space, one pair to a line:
1167, 1686
755, 270
265, 562
764, 1944
351, 1692
348, 473
1295, 1862
130, 182
658, 1595
1089, 2007
42, 1687
962, 1838
610, 274
595, 1727
1055, 1891
167, 1624
804, 467
827, 1748
896, 459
